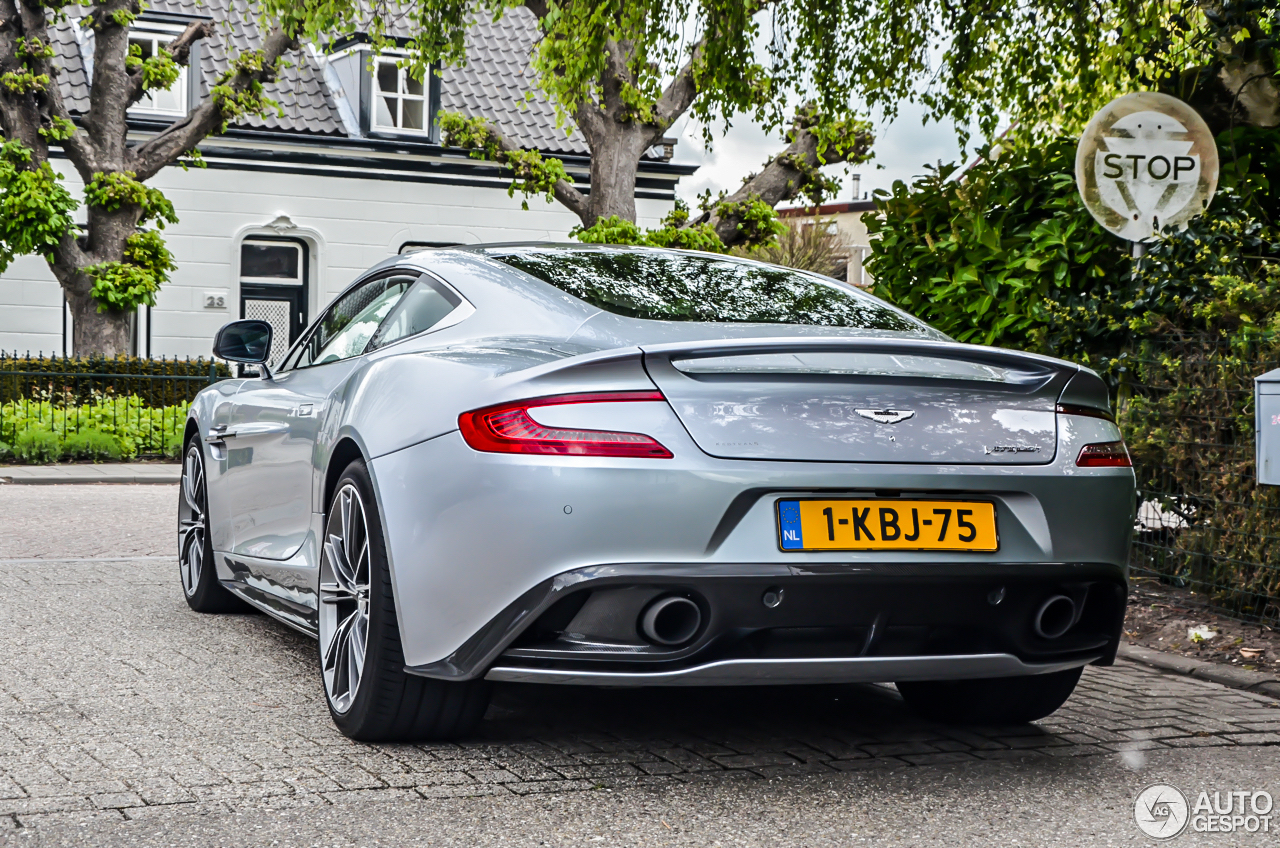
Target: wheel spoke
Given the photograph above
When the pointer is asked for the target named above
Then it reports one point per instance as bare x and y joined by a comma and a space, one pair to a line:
362, 564
184, 565
335, 593
359, 641
189, 483
336, 550
338, 645
197, 561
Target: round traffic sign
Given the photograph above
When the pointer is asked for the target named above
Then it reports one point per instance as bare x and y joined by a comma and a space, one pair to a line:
1145, 162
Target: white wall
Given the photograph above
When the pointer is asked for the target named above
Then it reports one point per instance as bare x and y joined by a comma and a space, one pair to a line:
351, 224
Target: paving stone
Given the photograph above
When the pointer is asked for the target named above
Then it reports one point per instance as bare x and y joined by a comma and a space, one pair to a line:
755, 761
471, 791
72, 819
859, 765
544, 786
115, 800
163, 710
938, 759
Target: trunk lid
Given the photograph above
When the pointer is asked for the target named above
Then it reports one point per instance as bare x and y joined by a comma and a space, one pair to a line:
862, 400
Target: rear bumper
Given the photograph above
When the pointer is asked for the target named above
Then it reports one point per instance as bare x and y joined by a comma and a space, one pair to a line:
793, 671
862, 622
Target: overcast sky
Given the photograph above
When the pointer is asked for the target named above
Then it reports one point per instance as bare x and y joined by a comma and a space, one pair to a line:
901, 151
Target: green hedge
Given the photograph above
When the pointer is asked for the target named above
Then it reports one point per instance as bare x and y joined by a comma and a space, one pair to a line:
66, 380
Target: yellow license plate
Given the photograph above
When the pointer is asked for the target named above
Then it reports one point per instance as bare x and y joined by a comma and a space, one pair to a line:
886, 525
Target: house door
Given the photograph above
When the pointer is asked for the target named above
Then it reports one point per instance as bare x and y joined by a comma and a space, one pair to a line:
281, 307
273, 288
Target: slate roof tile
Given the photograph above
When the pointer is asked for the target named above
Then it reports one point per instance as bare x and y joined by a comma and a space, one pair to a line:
496, 83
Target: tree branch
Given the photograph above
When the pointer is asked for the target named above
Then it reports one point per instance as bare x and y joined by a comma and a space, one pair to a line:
681, 92
533, 173
615, 76
789, 174
111, 84
19, 118
540, 8
48, 103
182, 136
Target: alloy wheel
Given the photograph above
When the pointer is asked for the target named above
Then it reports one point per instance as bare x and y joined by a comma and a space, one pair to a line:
344, 597
192, 520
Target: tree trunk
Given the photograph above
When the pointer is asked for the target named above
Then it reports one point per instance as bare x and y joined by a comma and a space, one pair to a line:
616, 149
94, 332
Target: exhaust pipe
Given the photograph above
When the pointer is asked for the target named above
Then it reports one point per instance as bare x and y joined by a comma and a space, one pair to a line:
1055, 617
672, 620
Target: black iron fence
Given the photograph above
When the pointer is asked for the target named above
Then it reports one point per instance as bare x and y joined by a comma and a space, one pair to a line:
1187, 412
96, 408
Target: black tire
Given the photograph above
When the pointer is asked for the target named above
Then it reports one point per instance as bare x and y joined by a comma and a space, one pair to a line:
197, 572
999, 700
389, 705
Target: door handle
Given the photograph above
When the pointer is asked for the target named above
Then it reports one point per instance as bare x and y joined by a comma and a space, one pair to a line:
217, 434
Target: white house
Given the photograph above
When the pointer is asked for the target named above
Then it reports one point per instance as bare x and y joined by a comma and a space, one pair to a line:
290, 209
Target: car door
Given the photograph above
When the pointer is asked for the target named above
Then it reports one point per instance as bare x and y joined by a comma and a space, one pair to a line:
219, 504
271, 440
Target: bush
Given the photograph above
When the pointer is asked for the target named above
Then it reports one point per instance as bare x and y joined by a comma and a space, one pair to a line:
1187, 412
5, 452
37, 446
93, 445
137, 428
979, 253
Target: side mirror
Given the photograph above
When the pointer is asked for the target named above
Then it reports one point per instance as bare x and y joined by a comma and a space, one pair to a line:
244, 341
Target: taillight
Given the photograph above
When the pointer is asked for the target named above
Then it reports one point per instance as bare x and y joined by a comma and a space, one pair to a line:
1087, 411
1104, 455
508, 428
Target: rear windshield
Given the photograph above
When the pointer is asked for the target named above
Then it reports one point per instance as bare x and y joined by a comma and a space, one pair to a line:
670, 286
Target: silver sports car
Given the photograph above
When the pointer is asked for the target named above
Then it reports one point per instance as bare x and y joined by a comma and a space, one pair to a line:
645, 467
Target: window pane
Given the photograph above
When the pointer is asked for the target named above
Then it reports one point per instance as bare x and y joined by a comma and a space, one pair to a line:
671, 286
145, 45
413, 114
278, 261
412, 86
346, 328
171, 100
386, 112
387, 73
422, 308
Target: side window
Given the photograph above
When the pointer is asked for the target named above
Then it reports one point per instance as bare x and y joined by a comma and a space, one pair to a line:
424, 306
346, 327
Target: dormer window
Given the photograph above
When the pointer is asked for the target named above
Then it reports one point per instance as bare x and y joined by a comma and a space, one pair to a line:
172, 101
399, 100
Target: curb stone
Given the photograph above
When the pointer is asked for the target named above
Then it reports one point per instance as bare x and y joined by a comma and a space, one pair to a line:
1225, 675
148, 472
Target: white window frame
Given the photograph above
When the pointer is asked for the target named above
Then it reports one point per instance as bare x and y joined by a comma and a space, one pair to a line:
401, 95
275, 281
161, 35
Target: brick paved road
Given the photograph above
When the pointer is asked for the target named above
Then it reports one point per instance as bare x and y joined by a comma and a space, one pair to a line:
117, 702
